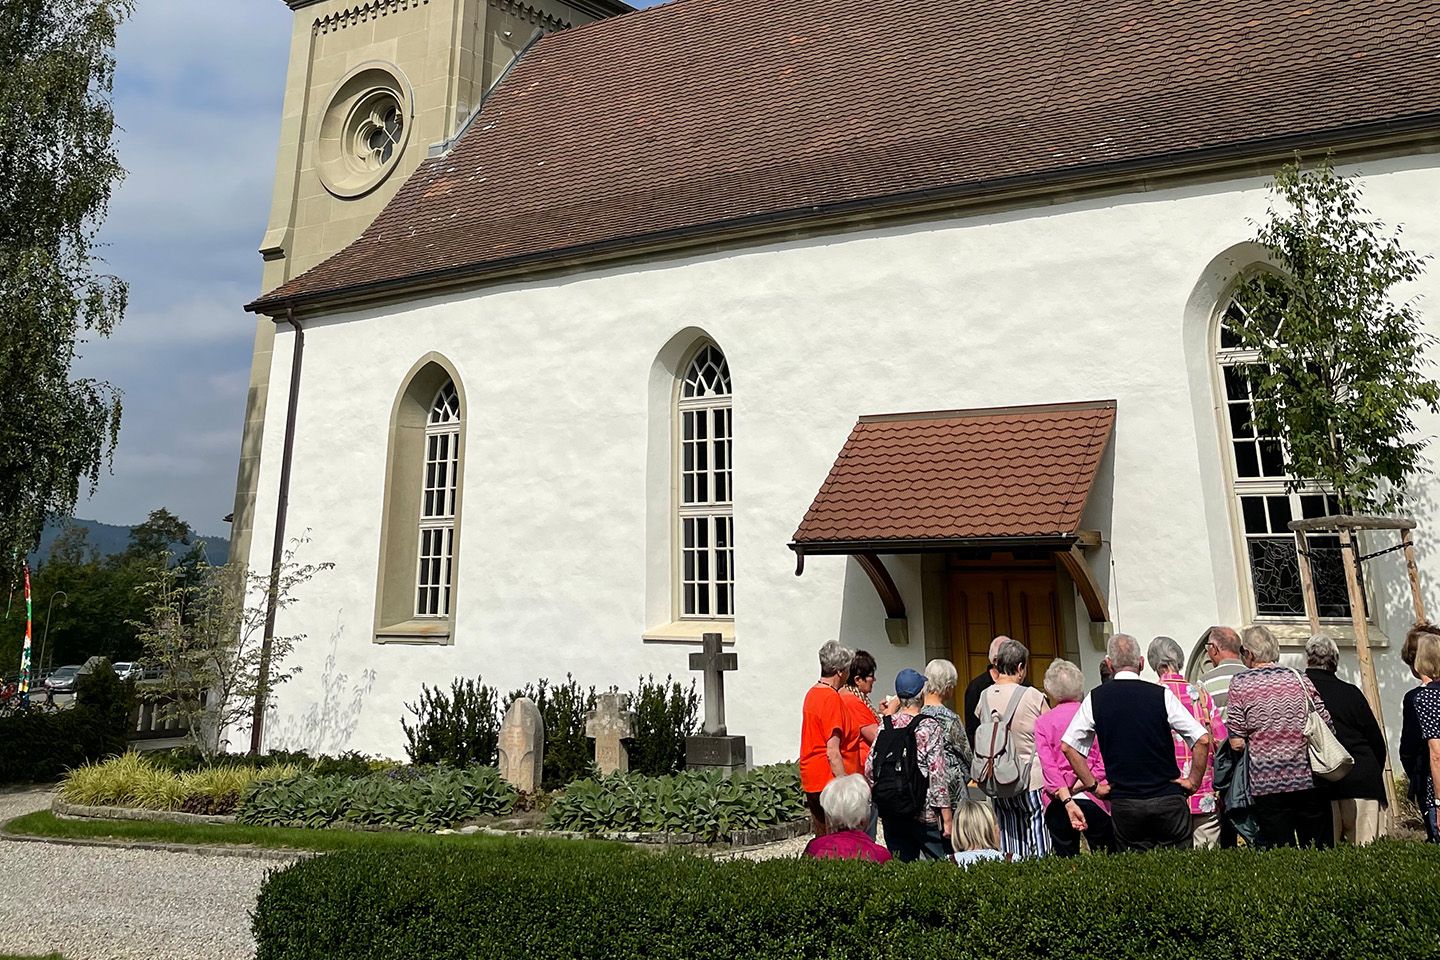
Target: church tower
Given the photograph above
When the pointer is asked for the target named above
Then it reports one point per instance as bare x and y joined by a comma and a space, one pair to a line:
374, 86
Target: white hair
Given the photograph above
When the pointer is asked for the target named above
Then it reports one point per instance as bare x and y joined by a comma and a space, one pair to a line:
995, 646
1123, 651
941, 677
1260, 643
1322, 653
1064, 681
1165, 652
846, 802
835, 658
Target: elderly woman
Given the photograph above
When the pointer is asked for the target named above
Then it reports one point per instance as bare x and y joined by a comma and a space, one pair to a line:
823, 728
1421, 755
1414, 754
1167, 660
1022, 816
926, 834
1266, 715
864, 725
1066, 686
846, 802
1356, 800
940, 679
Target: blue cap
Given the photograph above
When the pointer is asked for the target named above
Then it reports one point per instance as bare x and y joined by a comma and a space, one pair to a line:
909, 683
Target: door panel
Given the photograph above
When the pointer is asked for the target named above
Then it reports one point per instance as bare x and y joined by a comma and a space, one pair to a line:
1019, 603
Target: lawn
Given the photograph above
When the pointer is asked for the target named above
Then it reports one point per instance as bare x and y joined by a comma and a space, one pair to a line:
46, 824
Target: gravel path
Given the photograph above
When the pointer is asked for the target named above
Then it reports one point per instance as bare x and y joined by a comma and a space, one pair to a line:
98, 903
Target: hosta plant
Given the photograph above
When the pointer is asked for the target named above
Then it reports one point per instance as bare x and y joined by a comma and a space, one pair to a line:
415, 799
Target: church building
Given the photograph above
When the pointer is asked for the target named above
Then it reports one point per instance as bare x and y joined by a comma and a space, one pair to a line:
587, 331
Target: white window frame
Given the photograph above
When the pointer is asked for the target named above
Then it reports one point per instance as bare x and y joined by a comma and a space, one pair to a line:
1238, 487
714, 514
442, 430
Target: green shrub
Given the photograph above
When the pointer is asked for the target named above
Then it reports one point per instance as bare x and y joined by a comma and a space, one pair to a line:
406, 799
460, 729
349, 764
564, 707
703, 803
535, 900
38, 746
665, 714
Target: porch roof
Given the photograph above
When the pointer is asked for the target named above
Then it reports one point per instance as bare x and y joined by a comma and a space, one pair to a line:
931, 481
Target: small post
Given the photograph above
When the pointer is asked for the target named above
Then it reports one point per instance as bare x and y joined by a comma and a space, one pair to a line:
1415, 595
1307, 580
1349, 547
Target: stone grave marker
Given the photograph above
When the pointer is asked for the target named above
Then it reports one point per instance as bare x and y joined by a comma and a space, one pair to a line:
611, 726
522, 745
713, 748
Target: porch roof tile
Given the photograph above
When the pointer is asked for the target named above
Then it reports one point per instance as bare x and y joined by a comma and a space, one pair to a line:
1009, 472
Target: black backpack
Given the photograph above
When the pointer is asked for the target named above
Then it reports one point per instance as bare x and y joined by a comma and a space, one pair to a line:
900, 778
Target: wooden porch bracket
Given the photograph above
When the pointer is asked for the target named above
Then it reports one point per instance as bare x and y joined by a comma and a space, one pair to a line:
1075, 564
884, 585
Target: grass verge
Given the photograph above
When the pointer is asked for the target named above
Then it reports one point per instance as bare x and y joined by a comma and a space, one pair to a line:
45, 824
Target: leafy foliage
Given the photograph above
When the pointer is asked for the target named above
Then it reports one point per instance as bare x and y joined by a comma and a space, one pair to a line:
533, 901
57, 152
132, 780
665, 714
205, 630
40, 746
408, 799
564, 707
704, 803
459, 728
1340, 367
352, 763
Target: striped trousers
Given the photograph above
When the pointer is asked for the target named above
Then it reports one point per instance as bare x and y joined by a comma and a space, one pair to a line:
1022, 825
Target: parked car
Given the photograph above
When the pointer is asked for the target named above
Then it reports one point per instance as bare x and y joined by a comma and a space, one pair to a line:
126, 670
63, 679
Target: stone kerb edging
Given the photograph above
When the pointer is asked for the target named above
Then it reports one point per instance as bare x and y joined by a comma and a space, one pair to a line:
76, 811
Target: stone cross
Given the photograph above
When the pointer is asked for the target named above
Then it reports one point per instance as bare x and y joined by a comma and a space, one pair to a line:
713, 663
522, 745
610, 725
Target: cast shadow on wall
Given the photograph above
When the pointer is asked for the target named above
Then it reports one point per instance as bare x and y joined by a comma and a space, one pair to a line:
327, 723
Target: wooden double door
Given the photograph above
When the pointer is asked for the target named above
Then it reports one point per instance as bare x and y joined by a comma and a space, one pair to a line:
1020, 601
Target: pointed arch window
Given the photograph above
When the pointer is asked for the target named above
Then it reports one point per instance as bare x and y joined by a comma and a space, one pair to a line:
437, 504
1267, 495
705, 521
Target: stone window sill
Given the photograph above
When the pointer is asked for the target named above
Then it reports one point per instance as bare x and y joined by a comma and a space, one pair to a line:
415, 631
690, 632
1294, 633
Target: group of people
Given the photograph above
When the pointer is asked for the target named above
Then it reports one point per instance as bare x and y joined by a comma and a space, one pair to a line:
1131, 764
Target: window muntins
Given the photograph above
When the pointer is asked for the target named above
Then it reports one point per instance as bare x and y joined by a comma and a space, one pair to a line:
1267, 498
706, 574
438, 493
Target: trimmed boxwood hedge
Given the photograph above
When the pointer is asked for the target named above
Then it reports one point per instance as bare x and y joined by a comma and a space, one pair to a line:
540, 899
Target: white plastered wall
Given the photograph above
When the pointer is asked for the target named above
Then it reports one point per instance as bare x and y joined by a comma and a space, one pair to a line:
1088, 300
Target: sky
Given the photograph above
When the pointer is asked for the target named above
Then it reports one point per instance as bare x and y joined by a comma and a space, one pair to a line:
198, 91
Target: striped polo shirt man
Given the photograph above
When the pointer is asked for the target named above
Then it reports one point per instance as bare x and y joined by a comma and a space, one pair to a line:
1222, 647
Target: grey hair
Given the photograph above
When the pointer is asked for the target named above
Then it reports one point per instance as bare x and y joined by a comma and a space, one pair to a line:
1165, 652
1011, 658
916, 701
1064, 681
1123, 651
941, 677
995, 646
1322, 653
1260, 643
835, 658
846, 802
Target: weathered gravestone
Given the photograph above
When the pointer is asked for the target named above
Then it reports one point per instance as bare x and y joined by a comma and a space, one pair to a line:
611, 726
713, 748
522, 745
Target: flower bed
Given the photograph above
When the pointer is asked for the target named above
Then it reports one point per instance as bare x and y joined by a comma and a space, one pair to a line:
409, 798
132, 780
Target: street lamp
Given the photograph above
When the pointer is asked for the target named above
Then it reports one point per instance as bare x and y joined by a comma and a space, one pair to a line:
45, 637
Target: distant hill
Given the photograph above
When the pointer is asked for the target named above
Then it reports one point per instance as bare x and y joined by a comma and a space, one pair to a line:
109, 538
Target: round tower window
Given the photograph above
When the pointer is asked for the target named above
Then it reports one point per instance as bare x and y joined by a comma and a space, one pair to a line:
363, 131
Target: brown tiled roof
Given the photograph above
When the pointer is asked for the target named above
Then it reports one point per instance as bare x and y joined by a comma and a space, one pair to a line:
703, 115
962, 475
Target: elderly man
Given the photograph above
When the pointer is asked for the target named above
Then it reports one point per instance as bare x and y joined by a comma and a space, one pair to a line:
823, 726
1134, 720
977, 687
1222, 647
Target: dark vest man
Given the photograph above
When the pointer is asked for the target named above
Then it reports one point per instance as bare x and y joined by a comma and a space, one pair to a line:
1133, 720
